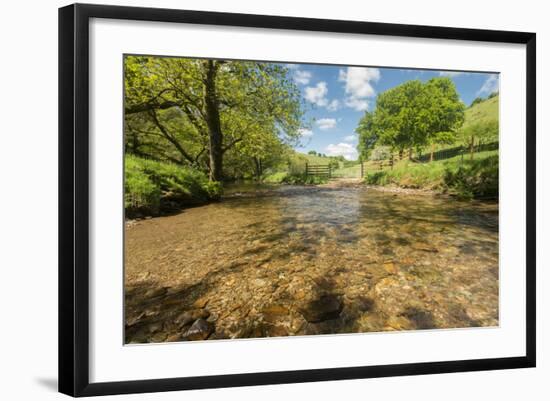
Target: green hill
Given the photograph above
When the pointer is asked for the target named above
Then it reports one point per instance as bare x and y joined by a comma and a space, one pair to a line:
485, 111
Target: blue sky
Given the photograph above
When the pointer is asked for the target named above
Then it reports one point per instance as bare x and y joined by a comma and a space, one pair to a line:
337, 97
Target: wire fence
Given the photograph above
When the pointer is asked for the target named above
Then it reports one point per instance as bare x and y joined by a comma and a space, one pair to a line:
456, 151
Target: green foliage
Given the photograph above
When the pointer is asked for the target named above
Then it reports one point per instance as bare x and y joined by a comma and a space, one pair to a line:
258, 106
152, 187
411, 116
380, 153
302, 179
477, 178
482, 131
282, 177
275, 178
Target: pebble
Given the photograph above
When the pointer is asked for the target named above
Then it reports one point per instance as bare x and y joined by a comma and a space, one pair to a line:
200, 330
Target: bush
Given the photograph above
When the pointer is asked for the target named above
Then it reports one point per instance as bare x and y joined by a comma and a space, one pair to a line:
303, 179
153, 187
477, 179
283, 177
275, 178
466, 179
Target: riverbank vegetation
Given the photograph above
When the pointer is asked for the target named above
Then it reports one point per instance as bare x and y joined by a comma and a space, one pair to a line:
153, 187
448, 148
189, 121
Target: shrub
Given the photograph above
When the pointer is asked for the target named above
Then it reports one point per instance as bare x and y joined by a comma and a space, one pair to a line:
477, 179
275, 178
152, 187
303, 179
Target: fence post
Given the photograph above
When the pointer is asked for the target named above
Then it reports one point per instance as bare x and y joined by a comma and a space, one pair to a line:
306, 169
362, 169
329, 171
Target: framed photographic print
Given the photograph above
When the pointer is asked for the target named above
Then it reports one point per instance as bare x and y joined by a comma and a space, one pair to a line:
249, 199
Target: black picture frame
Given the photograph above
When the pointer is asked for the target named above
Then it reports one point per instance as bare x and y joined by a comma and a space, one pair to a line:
74, 198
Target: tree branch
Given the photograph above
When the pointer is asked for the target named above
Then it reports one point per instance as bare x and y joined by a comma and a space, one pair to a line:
169, 137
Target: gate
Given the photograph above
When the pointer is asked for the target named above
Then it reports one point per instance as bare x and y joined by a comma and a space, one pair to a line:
320, 170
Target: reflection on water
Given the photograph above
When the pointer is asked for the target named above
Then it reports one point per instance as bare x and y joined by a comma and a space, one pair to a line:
291, 260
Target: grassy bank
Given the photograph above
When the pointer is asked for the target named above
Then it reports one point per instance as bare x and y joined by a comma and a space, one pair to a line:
283, 177
465, 178
153, 187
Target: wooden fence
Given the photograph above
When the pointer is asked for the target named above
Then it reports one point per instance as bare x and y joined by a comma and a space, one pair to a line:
456, 151
321, 170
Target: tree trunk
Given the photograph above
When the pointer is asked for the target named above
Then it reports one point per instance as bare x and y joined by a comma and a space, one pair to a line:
212, 114
400, 154
410, 153
432, 150
472, 148
258, 167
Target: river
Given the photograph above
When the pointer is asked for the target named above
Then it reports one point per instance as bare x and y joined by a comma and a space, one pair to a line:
294, 260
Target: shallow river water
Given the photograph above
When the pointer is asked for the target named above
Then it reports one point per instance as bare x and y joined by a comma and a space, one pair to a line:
291, 260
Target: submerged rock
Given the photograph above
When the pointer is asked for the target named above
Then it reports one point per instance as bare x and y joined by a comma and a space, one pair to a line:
190, 316
200, 330
326, 307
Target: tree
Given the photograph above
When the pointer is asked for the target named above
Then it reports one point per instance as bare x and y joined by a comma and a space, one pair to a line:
411, 116
203, 108
445, 112
368, 136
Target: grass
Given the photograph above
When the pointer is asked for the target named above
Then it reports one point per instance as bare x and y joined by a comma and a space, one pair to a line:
153, 187
465, 178
282, 177
483, 112
348, 172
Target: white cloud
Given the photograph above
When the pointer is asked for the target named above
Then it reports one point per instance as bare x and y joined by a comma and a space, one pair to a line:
317, 94
358, 80
291, 66
357, 104
342, 149
350, 138
358, 85
326, 123
489, 86
305, 133
302, 77
333, 105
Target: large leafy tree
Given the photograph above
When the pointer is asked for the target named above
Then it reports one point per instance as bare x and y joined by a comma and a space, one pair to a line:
202, 109
445, 112
412, 116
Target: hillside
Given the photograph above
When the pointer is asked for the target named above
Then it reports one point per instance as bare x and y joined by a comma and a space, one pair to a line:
484, 111
312, 159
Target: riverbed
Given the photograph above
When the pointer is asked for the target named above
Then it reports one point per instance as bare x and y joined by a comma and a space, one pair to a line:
303, 260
